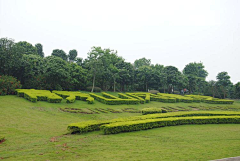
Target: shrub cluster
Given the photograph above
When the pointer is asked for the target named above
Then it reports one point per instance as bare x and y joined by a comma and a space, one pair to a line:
8, 85
95, 125
39, 95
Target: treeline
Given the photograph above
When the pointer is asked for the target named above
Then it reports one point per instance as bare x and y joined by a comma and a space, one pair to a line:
104, 69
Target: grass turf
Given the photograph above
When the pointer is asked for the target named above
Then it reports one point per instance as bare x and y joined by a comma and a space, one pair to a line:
35, 131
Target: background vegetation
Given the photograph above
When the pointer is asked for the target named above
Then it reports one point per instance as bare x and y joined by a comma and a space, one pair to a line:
104, 70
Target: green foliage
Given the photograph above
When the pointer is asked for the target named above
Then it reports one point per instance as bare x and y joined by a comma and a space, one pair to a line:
39, 49
129, 126
114, 101
223, 81
60, 53
146, 111
72, 55
10, 58
141, 62
88, 126
71, 96
8, 85
57, 73
27, 48
39, 95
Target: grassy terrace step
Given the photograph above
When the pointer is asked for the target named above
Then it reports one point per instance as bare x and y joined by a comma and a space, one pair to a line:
138, 125
83, 127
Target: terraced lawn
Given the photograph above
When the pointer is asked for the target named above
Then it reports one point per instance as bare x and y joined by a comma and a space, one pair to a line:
38, 131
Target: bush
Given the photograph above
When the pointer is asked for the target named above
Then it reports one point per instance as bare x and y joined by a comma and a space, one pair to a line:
88, 126
146, 111
109, 96
8, 85
71, 99
128, 126
96, 89
153, 91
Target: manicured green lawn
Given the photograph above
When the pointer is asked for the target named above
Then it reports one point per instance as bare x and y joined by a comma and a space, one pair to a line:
37, 131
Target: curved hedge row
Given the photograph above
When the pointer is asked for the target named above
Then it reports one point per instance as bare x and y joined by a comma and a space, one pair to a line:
129, 126
82, 127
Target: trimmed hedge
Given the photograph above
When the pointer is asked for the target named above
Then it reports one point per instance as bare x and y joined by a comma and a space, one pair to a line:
38, 95
71, 96
142, 101
146, 111
129, 126
117, 101
88, 126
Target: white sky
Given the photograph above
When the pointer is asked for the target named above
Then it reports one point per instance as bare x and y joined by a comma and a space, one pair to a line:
169, 32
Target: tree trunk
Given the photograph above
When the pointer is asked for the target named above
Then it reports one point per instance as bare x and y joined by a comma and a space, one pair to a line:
93, 82
146, 87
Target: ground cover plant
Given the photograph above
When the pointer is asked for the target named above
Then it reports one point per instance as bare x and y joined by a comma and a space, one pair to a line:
37, 131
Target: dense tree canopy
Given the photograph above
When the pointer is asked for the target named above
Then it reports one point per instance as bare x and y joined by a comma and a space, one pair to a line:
105, 69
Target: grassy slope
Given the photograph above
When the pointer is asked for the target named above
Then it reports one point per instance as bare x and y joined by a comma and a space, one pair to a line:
35, 131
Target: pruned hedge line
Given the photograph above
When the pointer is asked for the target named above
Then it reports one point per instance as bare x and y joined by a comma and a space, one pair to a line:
72, 96
116, 101
38, 95
146, 111
82, 127
129, 126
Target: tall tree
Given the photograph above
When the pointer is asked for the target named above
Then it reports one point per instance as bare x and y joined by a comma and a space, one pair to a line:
196, 75
57, 73
27, 48
39, 49
10, 57
94, 64
60, 53
141, 62
172, 77
72, 55
237, 90
223, 81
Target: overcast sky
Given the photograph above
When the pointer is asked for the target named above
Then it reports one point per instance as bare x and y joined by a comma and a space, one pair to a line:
169, 32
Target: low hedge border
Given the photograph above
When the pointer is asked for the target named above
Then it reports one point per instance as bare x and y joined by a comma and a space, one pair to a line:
87, 126
129, 126
146, 111
142, 101
109, 96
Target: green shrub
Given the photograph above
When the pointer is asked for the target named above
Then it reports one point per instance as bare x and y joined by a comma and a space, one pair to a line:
8, 85
71, 99
128, 126
146, 111
142, 101
83, 126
